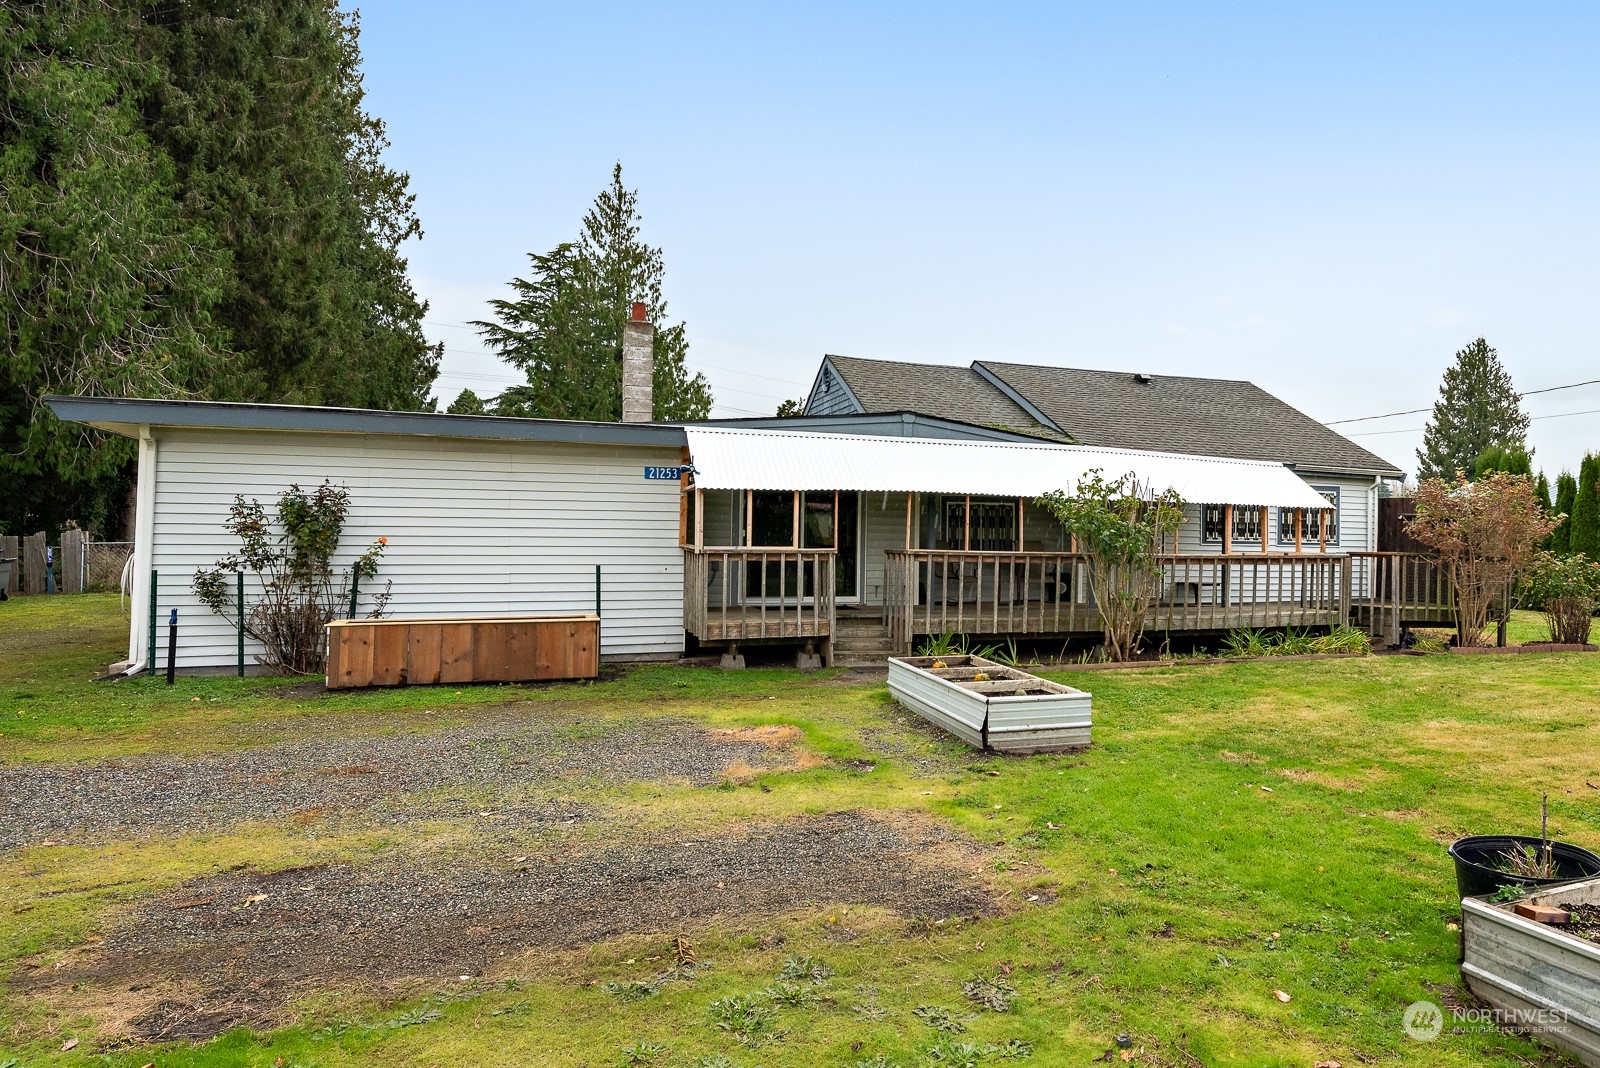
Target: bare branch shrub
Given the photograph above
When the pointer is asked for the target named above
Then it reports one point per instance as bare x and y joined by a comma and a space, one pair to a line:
292, 560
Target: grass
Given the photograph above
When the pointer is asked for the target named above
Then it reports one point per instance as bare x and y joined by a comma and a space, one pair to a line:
1236, 830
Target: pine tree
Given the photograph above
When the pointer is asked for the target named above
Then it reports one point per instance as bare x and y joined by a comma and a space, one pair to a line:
563, 329
1566, 498
1586, 509
467, 403
1478, 407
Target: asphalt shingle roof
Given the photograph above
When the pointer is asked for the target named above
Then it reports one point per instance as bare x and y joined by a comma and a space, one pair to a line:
1169, 413
944, 392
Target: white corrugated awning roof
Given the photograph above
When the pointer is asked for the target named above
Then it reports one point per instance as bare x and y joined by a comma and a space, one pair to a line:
793, 460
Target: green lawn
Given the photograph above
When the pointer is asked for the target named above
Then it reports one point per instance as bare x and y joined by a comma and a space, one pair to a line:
1235, 831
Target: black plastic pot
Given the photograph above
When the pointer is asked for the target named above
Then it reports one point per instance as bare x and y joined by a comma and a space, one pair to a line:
1476, 859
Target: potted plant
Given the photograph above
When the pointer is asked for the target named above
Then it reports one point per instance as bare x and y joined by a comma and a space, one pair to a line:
1487, 863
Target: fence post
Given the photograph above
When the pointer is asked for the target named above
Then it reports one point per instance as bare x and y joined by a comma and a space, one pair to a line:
150, 662
355, 590
33, 563
597, 589
172, 647
239, 597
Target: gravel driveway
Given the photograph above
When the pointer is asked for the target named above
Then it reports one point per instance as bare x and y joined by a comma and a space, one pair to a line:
378, 775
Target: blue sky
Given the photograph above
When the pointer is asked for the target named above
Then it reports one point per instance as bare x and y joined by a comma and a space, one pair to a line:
1328, 201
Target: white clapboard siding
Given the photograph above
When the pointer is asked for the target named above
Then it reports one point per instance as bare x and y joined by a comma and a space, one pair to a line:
1357, 532
474, 527
883, 527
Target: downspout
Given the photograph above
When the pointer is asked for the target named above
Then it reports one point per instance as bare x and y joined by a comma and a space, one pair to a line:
144, 525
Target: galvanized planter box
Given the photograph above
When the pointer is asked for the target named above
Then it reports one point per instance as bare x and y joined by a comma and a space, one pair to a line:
1011, 712
1550, 978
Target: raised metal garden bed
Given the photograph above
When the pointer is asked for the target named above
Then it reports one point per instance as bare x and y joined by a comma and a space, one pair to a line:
991, 706
1545, 977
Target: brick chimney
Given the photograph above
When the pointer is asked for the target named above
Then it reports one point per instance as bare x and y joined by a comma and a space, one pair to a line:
638, 366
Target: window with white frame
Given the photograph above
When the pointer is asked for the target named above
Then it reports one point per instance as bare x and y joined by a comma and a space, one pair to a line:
1311, 524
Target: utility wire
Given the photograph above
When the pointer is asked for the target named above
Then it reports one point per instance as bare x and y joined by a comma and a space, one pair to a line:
1420, 429
1419, 411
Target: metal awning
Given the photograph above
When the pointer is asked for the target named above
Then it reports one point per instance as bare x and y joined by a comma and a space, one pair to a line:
738, 459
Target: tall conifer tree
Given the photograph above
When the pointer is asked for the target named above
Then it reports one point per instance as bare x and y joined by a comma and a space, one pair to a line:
1566, 497
1478, 408
1586, 509
563, 329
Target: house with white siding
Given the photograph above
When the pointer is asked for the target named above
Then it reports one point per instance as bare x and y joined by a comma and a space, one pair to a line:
899, 505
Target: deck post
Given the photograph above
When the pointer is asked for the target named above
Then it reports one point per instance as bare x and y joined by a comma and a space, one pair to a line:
700, 519
966, 537
1264, 547
749, 519
795, 528
1227, 530
1299, 529
1322, 530
909, 495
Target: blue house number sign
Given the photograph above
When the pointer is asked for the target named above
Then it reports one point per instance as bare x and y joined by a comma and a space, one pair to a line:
662, 473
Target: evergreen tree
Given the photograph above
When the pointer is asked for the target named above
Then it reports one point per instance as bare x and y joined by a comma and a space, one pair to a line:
1566, 498
105, 286
1478, 407
192, 204
1513, 461
467, 403
261, 110
1586, 509
563, 329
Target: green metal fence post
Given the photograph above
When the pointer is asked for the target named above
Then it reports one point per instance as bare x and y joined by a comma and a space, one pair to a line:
150, 661
240, 598
597, 589
355, 590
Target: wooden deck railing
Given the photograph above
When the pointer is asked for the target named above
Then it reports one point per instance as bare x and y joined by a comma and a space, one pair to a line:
736, 594
1396, 590
932, 591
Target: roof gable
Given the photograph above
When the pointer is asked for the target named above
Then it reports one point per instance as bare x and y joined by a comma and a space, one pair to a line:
957, 394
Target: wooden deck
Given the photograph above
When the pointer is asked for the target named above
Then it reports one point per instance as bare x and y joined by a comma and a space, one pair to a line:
1045, 594
746, 595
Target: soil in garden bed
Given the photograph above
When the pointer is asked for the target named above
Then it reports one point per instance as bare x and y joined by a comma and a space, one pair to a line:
1585, 921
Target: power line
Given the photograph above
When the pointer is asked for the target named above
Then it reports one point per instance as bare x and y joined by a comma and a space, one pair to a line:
1420, 429
1419, 411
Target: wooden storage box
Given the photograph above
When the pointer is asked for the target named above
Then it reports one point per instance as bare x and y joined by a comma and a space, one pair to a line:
428, 650
1547, 976
1010, 712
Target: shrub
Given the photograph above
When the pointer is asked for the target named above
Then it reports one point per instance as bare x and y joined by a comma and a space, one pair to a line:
1566, 589
1485, 533
1120, 526
299, 591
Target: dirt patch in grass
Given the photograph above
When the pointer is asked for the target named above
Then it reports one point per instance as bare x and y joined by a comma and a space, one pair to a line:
234, 948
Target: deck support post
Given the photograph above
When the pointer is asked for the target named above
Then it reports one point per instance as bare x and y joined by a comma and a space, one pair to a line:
1322, 530
795, 527
909, 495
699, 519
1227, 530
749, 518
732, 660
1299, 529
966, 537
1264, 536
